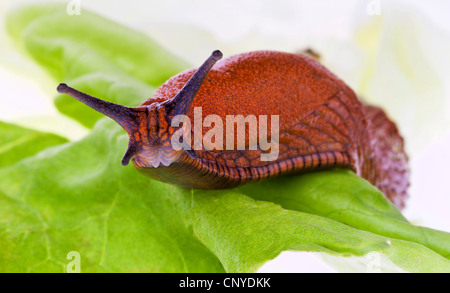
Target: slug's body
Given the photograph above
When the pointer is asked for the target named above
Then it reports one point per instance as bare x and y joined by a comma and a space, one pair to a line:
322, 124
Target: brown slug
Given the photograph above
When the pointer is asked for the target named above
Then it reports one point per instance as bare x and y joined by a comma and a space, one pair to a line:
322, 125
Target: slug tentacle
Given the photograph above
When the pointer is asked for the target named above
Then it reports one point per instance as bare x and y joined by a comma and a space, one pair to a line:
132, 149
124, 116
182, 101
127, 117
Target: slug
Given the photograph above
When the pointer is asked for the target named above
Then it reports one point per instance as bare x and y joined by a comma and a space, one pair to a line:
322, 125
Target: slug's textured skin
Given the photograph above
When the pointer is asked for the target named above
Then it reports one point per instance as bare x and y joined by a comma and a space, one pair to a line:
322, 125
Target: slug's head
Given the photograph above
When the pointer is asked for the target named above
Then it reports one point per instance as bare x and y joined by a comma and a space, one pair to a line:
148, 126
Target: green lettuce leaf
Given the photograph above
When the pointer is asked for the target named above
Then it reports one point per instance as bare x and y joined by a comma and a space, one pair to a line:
92, 54
17, 142
78, 197
343, 196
